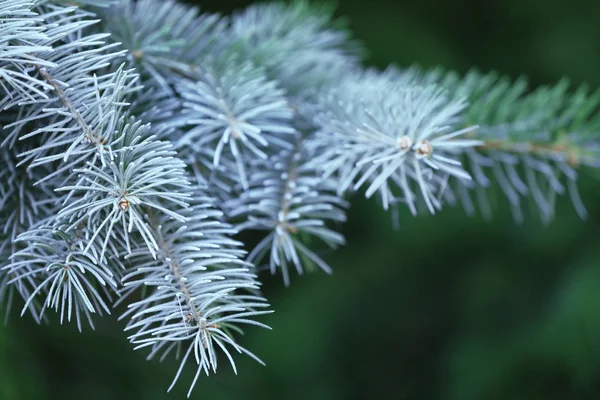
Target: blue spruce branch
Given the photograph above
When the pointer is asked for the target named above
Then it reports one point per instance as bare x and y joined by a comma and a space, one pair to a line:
140, 137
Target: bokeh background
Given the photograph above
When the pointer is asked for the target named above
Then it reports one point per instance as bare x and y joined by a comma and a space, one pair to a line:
447, 307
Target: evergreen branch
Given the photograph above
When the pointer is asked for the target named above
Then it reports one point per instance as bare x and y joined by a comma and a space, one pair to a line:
160, 34
298, 44
87, 110
142, 173
237, 114
291, 201
383, 131
20, 45
71, 116
199, 287
22, 207
535, 142
53, 267
271, 112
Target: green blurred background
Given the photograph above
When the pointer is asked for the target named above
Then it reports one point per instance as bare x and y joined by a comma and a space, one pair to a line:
447, 307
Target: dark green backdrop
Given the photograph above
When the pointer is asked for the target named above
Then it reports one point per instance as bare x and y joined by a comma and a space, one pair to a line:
448, 307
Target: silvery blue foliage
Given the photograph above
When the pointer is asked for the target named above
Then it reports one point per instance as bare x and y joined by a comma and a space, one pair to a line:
24, 206
535, 140
299, 45
140, 137
386, 133
163, 38
143, 174
97, 188
19, 38
52, 267
203, 290
293, 203
237, 113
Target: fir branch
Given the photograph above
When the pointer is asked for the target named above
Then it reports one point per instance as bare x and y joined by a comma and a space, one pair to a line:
23, 206
71, 116
293, 203
120, 177
388, 132
535, 141
21, 42
201, 290
50, 265
299, 44
142, 173
160, 36
271, 113
237, 114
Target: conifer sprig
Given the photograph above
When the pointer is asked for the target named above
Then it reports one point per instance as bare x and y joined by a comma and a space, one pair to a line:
137, 134
107, 190
535, 141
